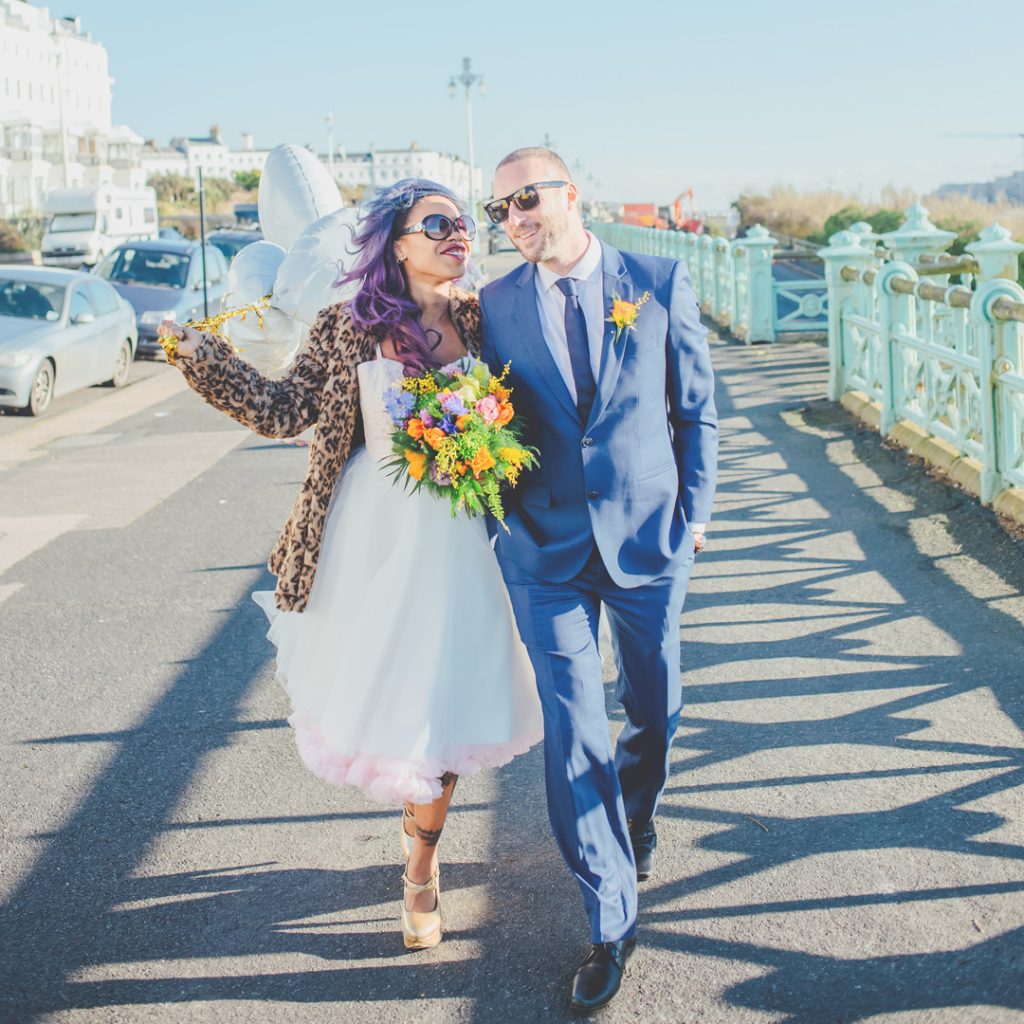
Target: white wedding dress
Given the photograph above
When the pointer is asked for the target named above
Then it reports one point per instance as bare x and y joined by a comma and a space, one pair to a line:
406, 663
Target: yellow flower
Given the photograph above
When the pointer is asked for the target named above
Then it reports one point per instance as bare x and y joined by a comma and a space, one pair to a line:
624, 314
419, 385
447, 456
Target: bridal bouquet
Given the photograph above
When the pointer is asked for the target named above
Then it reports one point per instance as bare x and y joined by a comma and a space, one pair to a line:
455, 434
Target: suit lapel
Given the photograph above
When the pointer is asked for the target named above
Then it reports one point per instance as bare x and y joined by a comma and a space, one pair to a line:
616, 283
532, 334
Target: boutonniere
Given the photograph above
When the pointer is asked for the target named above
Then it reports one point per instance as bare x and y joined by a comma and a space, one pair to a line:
624, 314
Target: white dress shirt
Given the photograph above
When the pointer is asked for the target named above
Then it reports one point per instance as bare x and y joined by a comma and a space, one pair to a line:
551, 306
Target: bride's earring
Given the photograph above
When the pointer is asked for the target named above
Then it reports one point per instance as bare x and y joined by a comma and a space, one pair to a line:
399, 256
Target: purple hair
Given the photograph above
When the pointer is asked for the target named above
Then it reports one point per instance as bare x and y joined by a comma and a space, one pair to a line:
382, 305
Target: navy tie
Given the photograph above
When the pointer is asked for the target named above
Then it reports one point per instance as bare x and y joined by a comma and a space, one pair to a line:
579, 347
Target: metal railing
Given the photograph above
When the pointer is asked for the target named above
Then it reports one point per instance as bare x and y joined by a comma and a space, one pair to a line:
948, 358
734, 281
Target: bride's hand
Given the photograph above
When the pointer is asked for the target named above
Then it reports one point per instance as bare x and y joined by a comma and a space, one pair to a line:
188, 338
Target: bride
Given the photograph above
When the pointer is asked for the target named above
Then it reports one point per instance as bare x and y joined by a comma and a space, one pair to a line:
395, 640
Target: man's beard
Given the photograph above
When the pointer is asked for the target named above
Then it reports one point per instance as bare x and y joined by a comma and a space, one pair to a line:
551, 235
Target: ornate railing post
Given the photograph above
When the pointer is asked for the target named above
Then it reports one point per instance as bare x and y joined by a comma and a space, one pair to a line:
693, 260
843, 249
866, 233
707, 274
997, 345
917, 236
726, 281
758, 248
997, 254
896, 315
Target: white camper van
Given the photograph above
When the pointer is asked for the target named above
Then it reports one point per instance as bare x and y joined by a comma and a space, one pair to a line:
85, 224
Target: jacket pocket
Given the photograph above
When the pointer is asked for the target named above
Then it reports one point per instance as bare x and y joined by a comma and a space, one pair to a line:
657, 470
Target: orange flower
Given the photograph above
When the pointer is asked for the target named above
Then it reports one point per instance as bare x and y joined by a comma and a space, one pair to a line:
481, 461
505, 414
417, 463
459, 469
434, 437
415, 429
461, 422
500, 393
623, 313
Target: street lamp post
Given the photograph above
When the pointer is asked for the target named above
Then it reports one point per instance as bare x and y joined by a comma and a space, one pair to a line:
467, 79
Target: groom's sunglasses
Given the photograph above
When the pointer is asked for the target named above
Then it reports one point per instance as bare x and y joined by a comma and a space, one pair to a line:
525, 198
437, 227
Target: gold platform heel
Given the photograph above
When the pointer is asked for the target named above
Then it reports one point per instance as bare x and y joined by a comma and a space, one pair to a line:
407, 840
422, 929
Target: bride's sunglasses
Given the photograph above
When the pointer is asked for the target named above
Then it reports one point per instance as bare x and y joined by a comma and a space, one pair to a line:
525, 198
437, 227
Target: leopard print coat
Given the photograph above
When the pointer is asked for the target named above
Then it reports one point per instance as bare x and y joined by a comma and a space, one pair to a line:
321, 388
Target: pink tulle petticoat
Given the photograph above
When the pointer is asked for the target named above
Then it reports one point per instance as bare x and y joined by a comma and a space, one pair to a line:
391, 780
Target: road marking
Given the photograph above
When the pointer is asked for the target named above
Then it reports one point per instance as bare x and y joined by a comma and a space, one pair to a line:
22, 445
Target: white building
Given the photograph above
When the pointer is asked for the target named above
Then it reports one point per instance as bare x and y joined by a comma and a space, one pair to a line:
381, 167
185, 156
55, 130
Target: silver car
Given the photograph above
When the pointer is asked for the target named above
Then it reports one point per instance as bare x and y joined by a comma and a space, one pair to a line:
60, 330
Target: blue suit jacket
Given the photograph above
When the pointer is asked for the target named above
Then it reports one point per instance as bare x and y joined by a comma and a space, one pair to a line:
642, 468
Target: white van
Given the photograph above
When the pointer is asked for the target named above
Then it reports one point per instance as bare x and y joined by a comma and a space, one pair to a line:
85, 224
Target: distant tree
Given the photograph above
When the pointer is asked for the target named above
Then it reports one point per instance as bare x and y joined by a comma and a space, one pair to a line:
249, 180
11, 239
173, 188
353, 195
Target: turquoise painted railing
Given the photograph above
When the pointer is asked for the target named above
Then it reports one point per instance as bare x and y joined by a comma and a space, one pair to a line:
734, 280
948, 359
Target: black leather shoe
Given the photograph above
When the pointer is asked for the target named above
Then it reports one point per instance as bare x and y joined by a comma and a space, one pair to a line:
598, 978
644, 840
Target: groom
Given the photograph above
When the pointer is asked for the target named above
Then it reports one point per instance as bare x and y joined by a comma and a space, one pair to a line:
626, 426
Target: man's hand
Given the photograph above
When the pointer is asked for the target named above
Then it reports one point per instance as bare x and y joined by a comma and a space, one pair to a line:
699, 540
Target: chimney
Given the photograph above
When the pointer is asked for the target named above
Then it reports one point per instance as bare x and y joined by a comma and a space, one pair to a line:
215, 133
247, 143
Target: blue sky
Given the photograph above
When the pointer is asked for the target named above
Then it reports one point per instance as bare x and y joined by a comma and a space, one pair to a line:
650, 97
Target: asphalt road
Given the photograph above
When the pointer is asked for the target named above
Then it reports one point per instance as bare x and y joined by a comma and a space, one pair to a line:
841, 838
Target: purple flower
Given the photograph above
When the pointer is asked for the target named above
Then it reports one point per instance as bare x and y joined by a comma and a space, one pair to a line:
441, 479
447, 424
428, 420
452, 403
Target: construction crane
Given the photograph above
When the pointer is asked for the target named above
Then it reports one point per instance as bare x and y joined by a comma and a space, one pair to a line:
682, 222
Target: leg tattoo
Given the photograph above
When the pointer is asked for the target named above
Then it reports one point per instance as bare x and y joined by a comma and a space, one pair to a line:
428, 836
448, 779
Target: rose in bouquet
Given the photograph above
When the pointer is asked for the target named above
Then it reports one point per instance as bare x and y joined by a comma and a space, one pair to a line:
456, 435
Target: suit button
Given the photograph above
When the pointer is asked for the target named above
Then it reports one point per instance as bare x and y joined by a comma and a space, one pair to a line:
587, 442
592, 495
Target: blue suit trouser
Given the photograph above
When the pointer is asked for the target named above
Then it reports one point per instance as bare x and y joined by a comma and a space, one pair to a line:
591, 793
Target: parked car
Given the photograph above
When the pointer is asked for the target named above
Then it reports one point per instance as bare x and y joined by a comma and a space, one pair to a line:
60, 330
163, 280
232, 241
